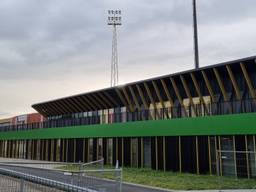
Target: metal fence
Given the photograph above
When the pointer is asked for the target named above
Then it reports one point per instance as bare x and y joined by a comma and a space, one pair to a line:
89, 177
12, 184
236, 164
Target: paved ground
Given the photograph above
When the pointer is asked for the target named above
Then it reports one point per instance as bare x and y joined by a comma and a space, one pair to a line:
232, 190
92, 183
109, 185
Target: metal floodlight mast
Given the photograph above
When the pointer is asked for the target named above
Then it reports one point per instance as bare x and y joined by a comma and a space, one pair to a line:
196, 52
114, 19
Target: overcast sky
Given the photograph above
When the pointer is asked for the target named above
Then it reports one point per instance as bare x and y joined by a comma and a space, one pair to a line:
56, 48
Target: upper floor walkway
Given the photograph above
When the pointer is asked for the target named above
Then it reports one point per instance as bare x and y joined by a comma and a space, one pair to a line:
99, 117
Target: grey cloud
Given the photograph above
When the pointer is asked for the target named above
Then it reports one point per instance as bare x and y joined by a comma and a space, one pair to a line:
56, 42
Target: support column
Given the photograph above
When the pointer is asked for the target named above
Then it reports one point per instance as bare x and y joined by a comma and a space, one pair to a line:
43, 150
88, 150
216, 153
51, 153
209, 155
66, 150
47, 150
142, 152
97, 148
164, 153
123, 151
74, 158
131, 161
180, 167
254, 149
1, 148
156, 146
9, 148
220, 155
234, 149
247, 158
197, 157
18, 149
84, 150
32, 149
14, 151
137, 152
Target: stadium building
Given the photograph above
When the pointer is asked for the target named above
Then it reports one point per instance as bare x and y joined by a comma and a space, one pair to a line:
180, 122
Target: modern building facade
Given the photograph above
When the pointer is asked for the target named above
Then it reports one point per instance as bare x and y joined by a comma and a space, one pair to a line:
175, 122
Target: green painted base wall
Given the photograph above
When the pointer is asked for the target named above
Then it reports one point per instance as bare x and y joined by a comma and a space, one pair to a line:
239, 124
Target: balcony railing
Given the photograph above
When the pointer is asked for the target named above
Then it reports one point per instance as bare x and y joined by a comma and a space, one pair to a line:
220, 108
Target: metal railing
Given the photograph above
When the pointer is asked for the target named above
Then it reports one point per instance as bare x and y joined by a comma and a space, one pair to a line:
218, 108
89, 177
15, 184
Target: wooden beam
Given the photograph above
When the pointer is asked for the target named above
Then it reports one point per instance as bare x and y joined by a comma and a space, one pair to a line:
111, 99
134, 98
221, 85
176, 90
89, 104
77, 104
105, 100
160, 98
61, 106
208, 85
142, 97
198, 91
122, 98
151, 98
206, 107
233, 81
96, 97
40, 110
158, 94
128, 99
70, 106
184, 83
167, 92
248, 81
52, 108
85, 104
94, 102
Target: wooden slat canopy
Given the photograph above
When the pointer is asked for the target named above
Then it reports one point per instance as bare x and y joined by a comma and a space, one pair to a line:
138, 95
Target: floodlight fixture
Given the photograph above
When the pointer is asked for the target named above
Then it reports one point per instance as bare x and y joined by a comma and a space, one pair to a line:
114, 17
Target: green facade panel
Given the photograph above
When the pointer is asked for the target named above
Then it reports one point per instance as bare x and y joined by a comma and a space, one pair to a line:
238, 124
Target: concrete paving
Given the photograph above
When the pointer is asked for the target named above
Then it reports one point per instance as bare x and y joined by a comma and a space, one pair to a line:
230, 190
127, 187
